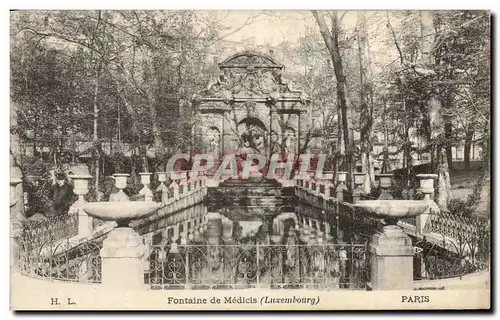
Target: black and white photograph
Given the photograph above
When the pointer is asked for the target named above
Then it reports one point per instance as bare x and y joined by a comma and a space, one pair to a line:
250, 159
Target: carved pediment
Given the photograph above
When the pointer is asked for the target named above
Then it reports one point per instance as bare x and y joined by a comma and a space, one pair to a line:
250, 75
250, 59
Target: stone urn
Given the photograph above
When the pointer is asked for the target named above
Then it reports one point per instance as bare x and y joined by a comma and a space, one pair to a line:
385, 184
162, 177
120, 184
341, 176
385, 180
359, 180
80, 185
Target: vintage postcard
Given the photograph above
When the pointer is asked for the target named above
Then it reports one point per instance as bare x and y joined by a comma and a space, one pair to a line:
250, 160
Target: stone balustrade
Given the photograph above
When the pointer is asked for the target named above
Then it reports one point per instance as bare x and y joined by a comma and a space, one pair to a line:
179, 230
177, 195
440, 228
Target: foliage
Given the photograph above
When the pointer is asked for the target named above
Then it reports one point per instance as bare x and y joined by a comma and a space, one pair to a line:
38, 186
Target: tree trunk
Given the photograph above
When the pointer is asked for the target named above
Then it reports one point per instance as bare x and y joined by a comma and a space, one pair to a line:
447, 105
332, 43
366, 101
435, 111
95, 138
468, 144
155, 128
136, 133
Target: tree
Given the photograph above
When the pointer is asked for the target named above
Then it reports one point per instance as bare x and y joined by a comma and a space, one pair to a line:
331, 39
366, 101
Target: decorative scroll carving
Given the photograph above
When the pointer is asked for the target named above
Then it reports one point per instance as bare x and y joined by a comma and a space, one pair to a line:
249, 59
250, 75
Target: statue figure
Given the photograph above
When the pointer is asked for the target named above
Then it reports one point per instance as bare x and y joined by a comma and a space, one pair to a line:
213, 137
290, 144
252, 141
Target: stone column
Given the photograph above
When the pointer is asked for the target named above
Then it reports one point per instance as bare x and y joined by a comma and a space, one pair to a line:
327, 185
391, 260
175, 187
122, 256
427, 188
81, 184
317, 190
184, 184
145, 181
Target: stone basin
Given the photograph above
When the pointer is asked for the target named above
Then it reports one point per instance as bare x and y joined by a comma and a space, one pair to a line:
121, 211
393, 208
15, 181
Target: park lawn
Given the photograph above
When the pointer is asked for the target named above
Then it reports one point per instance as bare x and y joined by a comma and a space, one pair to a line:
463, 182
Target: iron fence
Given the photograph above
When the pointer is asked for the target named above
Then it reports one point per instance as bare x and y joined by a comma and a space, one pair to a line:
64, 260
412, 221
322, 266
457, 226
52, 229
451, 258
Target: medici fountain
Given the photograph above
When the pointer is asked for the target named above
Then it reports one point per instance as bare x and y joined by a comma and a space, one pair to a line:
259, 231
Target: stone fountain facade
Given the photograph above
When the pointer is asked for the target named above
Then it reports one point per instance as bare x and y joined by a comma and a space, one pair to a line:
250, 107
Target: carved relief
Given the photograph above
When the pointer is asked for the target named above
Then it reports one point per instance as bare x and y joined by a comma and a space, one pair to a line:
250, 75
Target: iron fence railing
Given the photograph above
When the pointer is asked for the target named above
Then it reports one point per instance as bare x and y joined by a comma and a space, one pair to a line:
455, 226
450, 259
322, 266
63, 261
52, 229
412, 221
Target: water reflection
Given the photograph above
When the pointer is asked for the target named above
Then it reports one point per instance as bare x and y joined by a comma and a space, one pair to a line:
303, 248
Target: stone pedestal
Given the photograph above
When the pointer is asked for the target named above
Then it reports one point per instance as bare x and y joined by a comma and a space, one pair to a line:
81, 183
391, 260
340, 191
175, 188
427, 188
359, 180
214, 228
122, 260
85, 228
